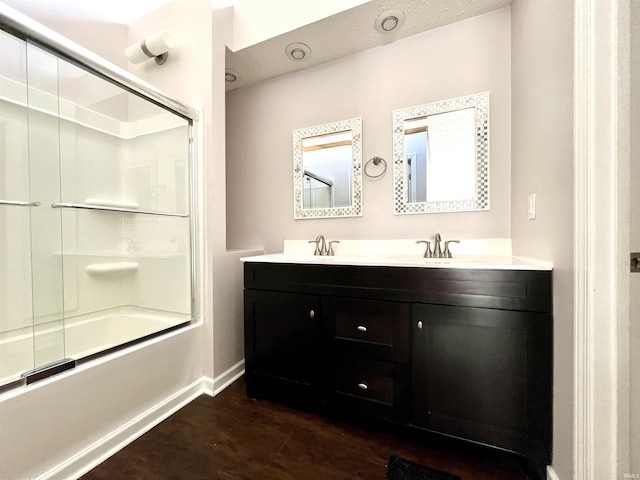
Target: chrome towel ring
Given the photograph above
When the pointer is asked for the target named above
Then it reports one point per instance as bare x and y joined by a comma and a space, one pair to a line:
375, 161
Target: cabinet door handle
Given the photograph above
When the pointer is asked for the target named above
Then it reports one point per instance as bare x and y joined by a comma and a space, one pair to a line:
420, 325
312, 314
362, 328
363, 386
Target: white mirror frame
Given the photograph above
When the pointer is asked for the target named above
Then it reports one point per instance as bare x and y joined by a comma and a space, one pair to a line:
480, 200
353, 210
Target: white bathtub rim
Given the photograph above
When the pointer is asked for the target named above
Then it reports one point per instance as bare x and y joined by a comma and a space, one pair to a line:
93, 363
155, 322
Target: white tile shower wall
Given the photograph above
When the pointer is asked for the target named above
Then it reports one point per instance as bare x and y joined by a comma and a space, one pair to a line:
467, 57
15, 255
88, 158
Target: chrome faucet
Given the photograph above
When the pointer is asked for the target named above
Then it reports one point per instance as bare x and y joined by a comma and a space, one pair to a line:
437, 252
322, 246
427, 252
330, 249
447, 251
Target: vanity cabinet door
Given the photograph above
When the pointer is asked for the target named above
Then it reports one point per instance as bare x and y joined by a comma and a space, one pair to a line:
483, 375
282, 351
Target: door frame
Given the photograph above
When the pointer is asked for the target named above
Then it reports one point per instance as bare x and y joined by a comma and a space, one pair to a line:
601, 239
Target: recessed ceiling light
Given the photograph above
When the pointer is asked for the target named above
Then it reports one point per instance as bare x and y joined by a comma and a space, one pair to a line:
389, 23
231, 75
297, 51
389, 20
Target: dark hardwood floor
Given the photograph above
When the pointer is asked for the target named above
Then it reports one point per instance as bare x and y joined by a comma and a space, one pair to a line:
232, 437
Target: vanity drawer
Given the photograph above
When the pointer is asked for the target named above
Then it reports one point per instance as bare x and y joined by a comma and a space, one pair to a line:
368, 328
371, 387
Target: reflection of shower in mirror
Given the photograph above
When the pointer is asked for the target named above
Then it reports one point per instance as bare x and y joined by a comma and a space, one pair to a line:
318, 191
327, 167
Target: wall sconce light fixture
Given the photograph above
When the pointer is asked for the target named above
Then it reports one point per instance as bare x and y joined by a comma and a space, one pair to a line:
156, 46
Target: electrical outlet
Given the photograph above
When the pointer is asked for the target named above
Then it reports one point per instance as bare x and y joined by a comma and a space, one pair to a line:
531, 207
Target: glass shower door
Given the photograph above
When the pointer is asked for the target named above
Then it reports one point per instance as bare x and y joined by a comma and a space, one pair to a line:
31, 288
16, 202
46, 230
125, 205
95, 214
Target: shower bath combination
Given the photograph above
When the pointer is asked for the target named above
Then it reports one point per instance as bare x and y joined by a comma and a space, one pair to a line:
96, 229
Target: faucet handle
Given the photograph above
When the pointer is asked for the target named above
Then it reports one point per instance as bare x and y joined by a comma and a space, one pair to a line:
447, 251
427, 252
330, 251
317, 250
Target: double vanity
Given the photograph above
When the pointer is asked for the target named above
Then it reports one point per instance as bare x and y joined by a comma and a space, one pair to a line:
459, 347
440, 336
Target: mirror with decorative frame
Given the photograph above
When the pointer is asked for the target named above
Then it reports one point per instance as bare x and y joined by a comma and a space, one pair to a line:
441, 156
327, 170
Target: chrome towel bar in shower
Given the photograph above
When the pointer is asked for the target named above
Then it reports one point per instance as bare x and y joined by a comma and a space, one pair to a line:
82, 206
14, 203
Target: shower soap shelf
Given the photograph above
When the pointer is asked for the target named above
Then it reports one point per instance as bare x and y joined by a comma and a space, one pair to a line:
115, 267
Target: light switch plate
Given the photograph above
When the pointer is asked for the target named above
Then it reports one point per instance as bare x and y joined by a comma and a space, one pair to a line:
531, 207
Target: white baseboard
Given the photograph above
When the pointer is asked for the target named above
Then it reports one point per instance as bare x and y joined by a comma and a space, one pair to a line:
551, 473
225, 379
95, 454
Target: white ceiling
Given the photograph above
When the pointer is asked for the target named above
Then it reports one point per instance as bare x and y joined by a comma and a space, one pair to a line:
348, 32
331, 38
112, 11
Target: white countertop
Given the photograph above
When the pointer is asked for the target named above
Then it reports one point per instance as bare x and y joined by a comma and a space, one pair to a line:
493, 254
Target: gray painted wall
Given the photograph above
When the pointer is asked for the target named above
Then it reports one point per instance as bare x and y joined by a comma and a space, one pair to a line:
460, 59
542, 163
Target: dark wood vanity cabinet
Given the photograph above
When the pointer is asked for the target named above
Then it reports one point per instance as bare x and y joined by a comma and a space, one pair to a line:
464, 353
367, 345
282, 349
483, 375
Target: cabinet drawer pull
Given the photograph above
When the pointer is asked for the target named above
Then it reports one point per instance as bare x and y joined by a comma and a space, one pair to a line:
362, 328
363, 386
312, 314
419, 325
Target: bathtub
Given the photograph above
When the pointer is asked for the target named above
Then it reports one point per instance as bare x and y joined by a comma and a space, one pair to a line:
77, 338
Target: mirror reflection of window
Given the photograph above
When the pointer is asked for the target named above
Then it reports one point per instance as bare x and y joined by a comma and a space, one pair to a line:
451, 156
327, 160
440, 157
